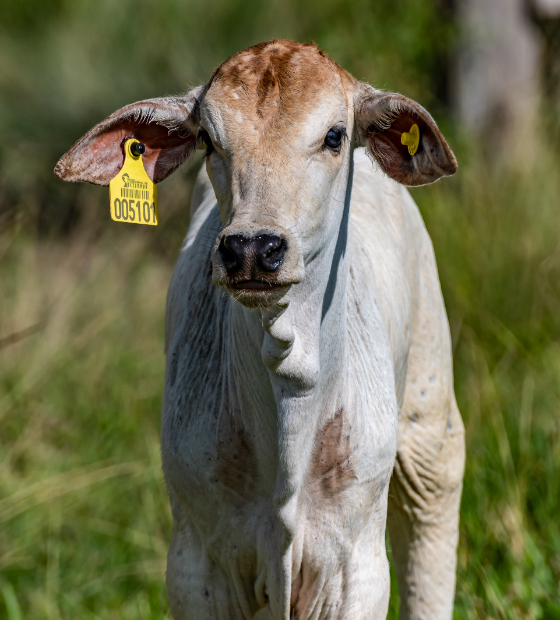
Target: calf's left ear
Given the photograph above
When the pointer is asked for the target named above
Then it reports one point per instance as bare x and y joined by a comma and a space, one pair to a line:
392, 127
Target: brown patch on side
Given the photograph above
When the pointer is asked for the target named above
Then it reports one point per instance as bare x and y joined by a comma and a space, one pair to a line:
236, 467
331, 468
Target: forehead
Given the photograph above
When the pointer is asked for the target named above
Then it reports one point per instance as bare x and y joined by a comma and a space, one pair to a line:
277, 83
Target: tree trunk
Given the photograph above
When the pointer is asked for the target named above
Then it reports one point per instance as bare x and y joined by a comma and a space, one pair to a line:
495, 78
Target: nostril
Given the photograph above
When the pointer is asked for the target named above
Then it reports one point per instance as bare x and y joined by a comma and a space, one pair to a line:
269, 243
270, 251
232, 250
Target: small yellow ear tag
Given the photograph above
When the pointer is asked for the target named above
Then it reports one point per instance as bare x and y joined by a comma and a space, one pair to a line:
411, 139
133, 193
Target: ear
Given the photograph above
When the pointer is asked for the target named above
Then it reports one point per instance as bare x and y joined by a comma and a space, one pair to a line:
381, 120
167, 126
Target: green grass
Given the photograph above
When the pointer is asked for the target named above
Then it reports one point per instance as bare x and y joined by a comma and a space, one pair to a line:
84, 518
496, 237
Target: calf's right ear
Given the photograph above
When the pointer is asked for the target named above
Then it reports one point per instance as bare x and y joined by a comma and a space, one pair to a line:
167, 126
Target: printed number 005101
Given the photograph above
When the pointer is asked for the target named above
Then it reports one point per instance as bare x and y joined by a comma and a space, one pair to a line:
134, 211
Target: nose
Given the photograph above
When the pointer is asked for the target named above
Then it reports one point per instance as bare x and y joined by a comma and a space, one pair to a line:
267, 251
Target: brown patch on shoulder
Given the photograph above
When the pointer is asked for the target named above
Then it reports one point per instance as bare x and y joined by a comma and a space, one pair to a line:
331, 468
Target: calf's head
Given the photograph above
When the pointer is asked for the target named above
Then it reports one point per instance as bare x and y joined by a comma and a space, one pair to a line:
278, 123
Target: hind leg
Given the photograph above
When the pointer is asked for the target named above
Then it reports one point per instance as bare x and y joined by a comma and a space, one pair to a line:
425, 490
423, 521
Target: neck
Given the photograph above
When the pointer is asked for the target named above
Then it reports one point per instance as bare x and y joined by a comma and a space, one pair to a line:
294, 361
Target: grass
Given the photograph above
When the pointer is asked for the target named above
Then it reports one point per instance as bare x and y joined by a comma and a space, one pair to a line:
496, 239
84, 518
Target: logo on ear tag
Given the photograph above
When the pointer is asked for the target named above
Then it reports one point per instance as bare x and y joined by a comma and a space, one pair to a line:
133, 193
411, 139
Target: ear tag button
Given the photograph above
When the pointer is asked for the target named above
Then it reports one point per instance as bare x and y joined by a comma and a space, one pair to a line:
133, 193
411, 139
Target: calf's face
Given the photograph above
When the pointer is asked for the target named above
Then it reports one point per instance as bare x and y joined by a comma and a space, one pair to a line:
277, 129
278, 123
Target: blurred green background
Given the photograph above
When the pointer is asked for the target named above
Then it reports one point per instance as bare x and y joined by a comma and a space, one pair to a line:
84, 517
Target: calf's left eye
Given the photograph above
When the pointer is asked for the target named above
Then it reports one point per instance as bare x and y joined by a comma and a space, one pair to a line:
333, 139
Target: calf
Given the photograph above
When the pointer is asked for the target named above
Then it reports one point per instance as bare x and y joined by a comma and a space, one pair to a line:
309, 388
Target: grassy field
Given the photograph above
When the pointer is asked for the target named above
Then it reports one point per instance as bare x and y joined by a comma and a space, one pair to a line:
497, 243
84, 518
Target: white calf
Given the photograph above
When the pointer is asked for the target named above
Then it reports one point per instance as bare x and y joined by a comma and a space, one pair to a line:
317, 396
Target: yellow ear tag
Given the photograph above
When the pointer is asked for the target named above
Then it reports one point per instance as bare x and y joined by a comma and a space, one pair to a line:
133, 193
411, 139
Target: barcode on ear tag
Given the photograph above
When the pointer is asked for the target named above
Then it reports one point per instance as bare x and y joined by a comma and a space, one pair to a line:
133, 194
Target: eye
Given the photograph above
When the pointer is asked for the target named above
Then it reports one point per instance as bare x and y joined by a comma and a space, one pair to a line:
333, 139
203, 140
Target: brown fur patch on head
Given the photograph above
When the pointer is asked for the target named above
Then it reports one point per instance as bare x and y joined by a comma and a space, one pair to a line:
279, 78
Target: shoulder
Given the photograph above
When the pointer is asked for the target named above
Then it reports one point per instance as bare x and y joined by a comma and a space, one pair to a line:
192, 293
